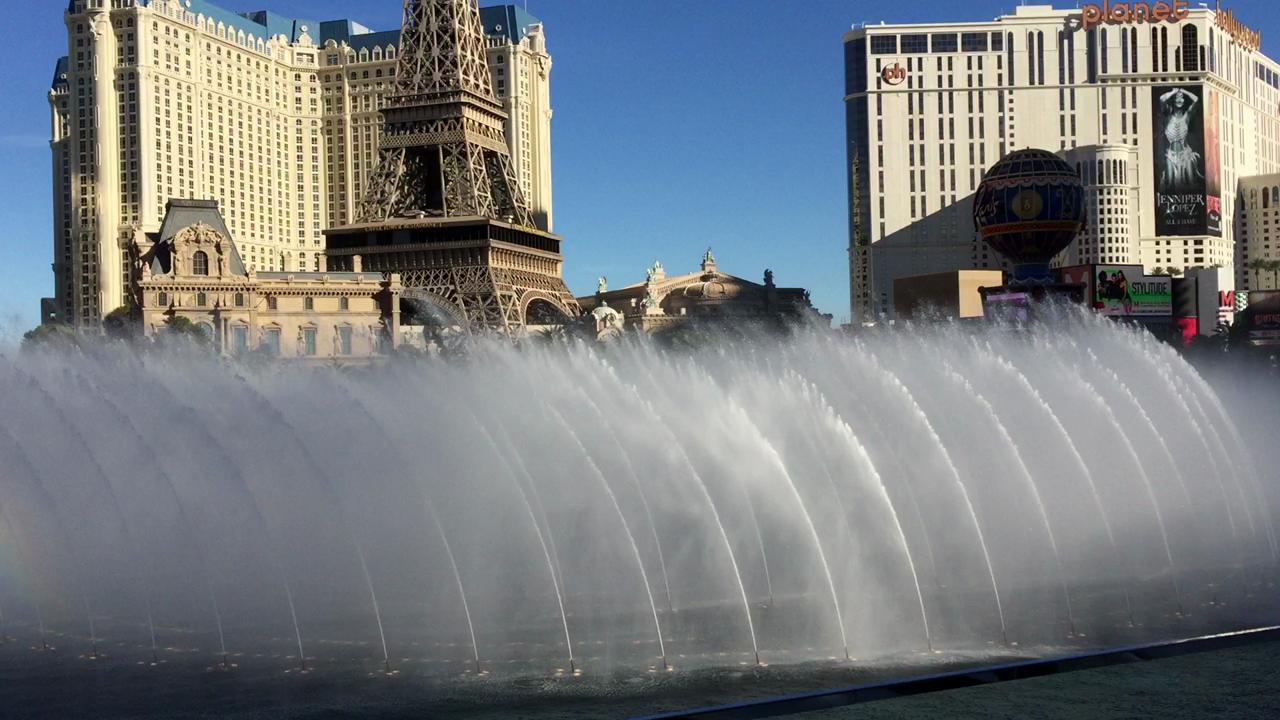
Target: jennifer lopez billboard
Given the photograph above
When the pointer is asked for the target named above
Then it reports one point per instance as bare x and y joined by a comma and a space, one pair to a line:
1182, 203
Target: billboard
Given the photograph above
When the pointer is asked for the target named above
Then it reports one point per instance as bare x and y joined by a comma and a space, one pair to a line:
1007, 306
1124, 291
1262, 318
1213, 162
1182, 205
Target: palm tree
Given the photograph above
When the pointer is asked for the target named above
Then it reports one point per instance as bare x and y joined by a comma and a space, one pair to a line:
1256, 266
1159, 271
1274, 267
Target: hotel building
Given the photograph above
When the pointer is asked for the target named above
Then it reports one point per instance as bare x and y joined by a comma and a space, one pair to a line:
1259, 232
1166, 119
275, 118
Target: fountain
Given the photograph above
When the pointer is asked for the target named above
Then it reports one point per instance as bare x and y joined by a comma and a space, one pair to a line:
921, 494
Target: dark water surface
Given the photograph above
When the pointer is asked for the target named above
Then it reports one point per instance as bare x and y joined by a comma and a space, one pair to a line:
1236, 683
64, 683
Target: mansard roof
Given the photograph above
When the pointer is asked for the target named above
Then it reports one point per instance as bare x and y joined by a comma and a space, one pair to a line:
181, 214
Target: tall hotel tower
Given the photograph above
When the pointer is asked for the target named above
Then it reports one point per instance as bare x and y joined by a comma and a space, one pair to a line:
1166, 111
275, 118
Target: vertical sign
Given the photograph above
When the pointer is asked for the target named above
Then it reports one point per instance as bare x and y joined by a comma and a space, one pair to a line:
1213, 161
1179, 133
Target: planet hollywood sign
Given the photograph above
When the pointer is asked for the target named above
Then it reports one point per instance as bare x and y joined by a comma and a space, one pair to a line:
893, 74
1130, 13
1236, 30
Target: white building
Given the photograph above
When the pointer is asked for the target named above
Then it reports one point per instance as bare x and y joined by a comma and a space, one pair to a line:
275, 118
1259, 240
931, 106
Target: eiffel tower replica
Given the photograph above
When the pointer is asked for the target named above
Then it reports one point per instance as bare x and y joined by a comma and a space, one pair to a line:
443, 208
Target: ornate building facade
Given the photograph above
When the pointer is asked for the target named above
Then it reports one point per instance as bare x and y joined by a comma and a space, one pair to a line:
277, 118
192, 269
706, 296
444, 208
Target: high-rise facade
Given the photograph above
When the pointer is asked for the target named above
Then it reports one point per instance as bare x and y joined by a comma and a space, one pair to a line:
276, 118
1259, 240
1163, 109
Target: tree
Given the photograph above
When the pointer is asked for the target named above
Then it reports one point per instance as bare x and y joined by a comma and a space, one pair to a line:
1159, 271
179, 327
55, 336
123, 323
1257, 266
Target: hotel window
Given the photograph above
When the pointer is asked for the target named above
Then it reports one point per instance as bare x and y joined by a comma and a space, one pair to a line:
973, 42
201, 299
200, 263
239, 339
344, 303
309, 303
272, 302
1190, 48
344, 341
239, 299
162, 299
918, 43
1040, 57
945, 42
309, 341
1102, 45
997, 41
884, 44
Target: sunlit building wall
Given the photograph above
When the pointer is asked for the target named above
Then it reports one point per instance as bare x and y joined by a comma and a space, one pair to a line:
276, 118
930, 106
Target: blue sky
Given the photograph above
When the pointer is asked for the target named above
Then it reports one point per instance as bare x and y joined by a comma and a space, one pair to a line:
679, 125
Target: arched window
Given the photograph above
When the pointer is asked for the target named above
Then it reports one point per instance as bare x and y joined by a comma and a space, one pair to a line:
1040, 57
272, 303
200, 263
162, 299
1164, 49
309, 303
344, 303
239, 299
1102, 46
1190, 47
201, 299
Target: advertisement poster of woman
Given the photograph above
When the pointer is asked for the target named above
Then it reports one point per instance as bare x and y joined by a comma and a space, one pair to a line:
1178, 120
1213, 161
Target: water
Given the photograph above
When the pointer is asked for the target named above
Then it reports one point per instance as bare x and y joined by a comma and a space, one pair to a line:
592, 515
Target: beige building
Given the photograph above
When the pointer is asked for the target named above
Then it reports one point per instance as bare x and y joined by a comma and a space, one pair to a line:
706, 296
1259, 222
948, 295
192, 268
276, 118
930, 106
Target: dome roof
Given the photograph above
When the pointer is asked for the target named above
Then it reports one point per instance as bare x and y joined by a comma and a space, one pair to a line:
603, 311
1029, 163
